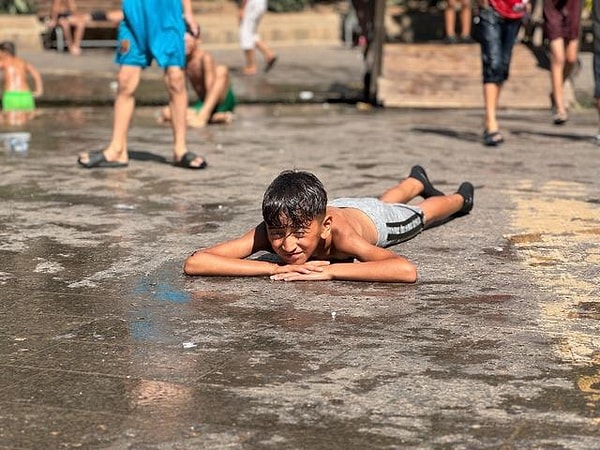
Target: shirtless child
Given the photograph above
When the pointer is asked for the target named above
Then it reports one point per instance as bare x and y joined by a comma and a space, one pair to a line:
309, 235
211, 83
18, 104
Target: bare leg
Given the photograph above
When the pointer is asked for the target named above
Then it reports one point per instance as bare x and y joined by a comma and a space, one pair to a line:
175, 82
250, 68
265, 50
65, 24
571, 51
222, 117
491, 94
450, 19
165, 114
217, 84
465, 19
436, 209
79, 23
129, 78
178, 100
403, 192
557, 69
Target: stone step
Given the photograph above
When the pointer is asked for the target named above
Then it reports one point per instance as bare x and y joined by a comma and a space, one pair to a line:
449, 76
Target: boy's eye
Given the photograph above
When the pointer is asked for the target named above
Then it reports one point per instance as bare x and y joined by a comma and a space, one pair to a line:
276, 233
299, 233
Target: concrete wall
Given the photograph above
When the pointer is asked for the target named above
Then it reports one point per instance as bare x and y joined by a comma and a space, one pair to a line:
24, 30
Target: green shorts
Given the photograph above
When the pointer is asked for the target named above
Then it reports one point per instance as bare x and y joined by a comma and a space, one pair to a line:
228, 103
18, 101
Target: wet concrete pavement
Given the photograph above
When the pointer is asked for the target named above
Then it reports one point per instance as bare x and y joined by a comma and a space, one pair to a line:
104, 343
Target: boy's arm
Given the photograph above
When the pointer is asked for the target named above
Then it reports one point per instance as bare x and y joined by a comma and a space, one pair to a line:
38, 85
188, 16
228, 258
375, 264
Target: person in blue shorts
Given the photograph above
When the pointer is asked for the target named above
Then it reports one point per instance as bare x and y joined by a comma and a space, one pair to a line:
345, 239
151, 30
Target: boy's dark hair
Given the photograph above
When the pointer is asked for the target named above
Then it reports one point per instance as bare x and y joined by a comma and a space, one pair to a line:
294, 199
8, 47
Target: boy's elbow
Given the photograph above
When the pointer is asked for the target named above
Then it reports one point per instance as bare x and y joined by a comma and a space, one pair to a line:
191, 265
409, 273
412, 275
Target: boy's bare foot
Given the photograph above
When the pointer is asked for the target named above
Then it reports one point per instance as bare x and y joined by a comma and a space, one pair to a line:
196, 121
75, 51
419, 173
249, 70
222, 117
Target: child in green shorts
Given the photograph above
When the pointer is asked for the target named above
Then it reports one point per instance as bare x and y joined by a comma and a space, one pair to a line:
18, 104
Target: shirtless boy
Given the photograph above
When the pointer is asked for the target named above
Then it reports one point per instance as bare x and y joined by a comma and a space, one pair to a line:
211, 83
18, 104
310, 237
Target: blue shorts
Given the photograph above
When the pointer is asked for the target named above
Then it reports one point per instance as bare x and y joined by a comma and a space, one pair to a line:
151, 29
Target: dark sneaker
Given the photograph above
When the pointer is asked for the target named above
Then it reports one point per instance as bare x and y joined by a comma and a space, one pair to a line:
467, 191
450, 40
419, 173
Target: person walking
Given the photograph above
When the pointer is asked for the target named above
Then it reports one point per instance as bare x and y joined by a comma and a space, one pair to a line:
500, 21
250, 13
562, 20
151, 30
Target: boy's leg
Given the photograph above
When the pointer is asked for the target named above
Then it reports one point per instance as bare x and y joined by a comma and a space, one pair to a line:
491, 94
450, 19
250, 67
79, 22
217, 82
128, 78
465, 19
178, 100
436, 209
571, 52
416, 184
557, 68
266, 51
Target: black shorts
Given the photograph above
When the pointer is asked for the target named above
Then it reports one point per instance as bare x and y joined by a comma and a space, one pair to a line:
98, 16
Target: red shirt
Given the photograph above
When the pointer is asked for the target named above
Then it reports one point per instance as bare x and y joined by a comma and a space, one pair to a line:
509, 9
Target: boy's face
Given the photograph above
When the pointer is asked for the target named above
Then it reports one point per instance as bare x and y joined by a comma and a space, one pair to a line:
296, 246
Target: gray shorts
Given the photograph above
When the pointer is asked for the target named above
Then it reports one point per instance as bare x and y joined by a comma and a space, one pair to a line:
395, 222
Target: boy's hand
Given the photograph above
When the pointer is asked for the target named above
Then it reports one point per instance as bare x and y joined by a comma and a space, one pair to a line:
297, 276
310, 268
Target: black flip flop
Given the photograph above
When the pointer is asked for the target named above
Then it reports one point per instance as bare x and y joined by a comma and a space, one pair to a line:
187, 159
97, 160
492, 138
270, 63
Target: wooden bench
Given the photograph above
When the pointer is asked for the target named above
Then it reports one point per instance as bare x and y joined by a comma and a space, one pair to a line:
97, 33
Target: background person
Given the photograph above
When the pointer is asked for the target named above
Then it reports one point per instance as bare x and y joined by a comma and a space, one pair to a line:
216, 100
562, 20
500, 21
151, 30
249, 14
18, 104
450, 14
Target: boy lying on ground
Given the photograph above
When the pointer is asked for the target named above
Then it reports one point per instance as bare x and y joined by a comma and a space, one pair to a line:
317, 241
